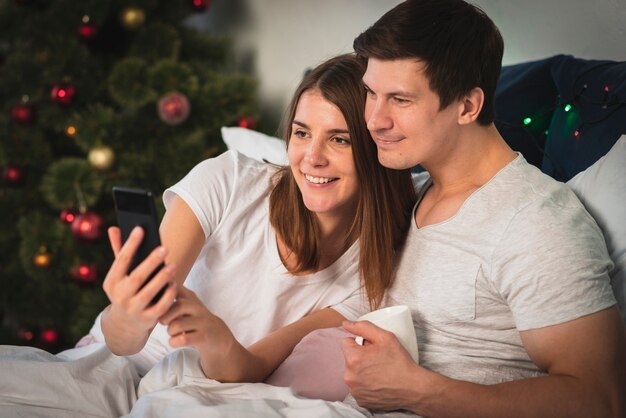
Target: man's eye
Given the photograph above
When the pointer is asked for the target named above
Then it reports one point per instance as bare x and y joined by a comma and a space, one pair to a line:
400, 100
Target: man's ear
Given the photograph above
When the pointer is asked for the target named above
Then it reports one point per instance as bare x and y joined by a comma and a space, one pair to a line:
470, 106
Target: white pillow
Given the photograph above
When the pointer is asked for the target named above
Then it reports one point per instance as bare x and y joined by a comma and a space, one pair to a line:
602, 189
255, 145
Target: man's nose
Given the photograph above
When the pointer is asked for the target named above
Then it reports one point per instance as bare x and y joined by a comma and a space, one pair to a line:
377, 115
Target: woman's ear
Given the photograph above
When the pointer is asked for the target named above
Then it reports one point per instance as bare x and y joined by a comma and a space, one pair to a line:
470, 106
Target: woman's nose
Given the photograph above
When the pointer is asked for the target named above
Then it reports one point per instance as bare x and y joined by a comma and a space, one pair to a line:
316, 152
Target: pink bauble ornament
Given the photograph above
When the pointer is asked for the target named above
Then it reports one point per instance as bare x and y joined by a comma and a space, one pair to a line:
87, 226
173, 108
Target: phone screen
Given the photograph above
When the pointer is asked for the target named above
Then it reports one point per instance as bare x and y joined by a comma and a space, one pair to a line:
135, 207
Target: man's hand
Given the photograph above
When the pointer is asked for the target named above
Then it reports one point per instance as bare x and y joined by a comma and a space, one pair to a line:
381, 374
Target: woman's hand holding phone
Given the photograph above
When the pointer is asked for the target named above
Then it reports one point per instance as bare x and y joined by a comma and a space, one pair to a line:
131, 301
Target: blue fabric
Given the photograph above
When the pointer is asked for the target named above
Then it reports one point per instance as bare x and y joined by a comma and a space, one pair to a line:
526, 90
596, 92
540, 90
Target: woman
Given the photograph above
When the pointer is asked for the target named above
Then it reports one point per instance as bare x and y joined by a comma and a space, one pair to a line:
269, 255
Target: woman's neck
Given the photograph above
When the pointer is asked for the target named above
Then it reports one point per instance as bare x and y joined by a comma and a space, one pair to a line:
335, 238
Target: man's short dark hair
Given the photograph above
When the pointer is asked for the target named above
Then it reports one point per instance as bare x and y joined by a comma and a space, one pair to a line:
459, 44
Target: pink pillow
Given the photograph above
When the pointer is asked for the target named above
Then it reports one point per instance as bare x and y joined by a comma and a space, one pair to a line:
315, 367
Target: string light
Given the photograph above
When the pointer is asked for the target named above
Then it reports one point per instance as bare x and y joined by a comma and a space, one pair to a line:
527, 121
568, 107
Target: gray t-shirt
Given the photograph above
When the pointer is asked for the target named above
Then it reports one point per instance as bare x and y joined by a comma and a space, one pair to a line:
521, 253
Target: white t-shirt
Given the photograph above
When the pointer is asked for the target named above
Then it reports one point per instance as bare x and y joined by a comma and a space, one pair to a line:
238, 274
521, 253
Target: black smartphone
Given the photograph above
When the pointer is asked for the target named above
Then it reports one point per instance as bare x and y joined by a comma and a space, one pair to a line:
135, 207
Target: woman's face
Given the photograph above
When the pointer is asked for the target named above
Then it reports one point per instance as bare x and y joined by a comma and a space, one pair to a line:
320, 156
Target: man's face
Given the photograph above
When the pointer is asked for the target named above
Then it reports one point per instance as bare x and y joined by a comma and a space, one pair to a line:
403, 116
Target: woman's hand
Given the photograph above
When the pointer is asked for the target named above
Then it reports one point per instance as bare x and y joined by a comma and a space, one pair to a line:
190, 323
131, 316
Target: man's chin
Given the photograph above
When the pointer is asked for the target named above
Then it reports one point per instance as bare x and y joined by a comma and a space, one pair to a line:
394, 160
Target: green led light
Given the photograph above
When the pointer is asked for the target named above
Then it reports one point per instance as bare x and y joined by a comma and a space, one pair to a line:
527, 121
546, 133
568, 107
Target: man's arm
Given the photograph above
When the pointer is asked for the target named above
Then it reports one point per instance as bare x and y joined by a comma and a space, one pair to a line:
585, 359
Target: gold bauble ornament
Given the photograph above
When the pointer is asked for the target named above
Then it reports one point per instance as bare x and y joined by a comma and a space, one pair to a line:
132, 18
101, 157
42, 258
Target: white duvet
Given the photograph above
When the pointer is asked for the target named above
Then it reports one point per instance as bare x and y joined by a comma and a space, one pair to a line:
91, 382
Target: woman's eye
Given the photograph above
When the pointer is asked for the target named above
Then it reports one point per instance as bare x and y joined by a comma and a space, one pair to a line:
299, 134
341, 141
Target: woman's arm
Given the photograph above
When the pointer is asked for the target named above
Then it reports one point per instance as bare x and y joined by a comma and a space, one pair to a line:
223, 358
128, 321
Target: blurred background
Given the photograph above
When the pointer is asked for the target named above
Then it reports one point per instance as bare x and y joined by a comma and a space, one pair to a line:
99, 93
278, 39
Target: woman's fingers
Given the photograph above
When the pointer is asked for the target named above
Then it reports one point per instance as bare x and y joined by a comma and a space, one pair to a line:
115, 239
124, 257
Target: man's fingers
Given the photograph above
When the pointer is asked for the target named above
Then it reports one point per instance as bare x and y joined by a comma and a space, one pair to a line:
364, 329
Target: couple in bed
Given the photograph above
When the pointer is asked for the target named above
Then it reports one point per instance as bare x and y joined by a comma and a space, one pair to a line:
505, 272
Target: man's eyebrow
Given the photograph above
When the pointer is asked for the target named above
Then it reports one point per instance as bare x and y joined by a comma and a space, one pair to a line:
391, 93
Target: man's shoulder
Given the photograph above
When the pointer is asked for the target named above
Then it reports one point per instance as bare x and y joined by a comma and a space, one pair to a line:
522, 186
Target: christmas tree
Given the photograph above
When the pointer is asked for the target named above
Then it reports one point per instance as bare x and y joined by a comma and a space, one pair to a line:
95, 93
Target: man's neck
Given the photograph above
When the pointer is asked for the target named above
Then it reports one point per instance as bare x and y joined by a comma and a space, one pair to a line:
478, 154
472, 161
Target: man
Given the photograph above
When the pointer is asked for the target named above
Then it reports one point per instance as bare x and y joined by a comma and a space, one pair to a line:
505, 272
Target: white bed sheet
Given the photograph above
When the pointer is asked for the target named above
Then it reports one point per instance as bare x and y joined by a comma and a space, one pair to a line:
90, 382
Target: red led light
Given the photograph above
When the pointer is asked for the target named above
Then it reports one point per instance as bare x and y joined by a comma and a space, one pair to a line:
49, 336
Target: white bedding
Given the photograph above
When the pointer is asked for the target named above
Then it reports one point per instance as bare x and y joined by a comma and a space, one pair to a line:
91, 382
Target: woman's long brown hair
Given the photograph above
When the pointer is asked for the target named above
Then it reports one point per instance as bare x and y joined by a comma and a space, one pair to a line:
385, 196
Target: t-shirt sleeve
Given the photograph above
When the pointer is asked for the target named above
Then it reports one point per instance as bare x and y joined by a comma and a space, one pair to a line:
354, 305
207, 189
552, 265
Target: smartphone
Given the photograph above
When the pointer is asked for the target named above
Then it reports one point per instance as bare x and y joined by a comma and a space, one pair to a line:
135, 207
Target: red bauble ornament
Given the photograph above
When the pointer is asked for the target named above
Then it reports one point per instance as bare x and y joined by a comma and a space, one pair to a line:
22, 114
87, 30
63, 93
200, 5
173, 108
68, 216
87, 226
25, 334
247, 122
49, 336
12, 175
85, 273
